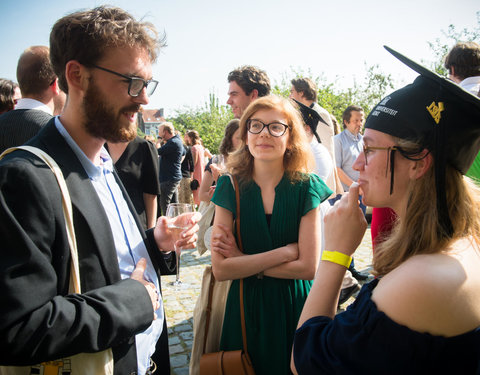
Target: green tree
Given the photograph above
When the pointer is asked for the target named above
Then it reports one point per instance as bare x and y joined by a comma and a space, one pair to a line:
140, 133
209, 120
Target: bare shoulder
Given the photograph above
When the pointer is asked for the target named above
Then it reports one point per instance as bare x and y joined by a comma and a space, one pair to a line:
435, 293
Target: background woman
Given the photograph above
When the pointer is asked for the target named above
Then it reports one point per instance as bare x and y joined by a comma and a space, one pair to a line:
136, 163
9, 94
230, 142
280, 231
422, 314
192, 139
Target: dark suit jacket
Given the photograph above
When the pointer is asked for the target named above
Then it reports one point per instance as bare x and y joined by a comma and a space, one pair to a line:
38, 319
20, 125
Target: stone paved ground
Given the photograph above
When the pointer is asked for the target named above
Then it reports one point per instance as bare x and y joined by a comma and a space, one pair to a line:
179, 304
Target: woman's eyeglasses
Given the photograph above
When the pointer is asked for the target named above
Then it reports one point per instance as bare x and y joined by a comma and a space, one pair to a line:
276, 129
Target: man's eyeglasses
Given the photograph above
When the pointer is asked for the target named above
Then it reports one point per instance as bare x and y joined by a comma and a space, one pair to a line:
367, 149
135, 84
276, 129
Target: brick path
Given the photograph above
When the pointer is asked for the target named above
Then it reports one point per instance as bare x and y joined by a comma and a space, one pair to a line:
179, 304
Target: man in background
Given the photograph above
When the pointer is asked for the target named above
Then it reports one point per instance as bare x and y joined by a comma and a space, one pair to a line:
41, 98
171, 156
348, 145
305, 91
463, 64
246, 84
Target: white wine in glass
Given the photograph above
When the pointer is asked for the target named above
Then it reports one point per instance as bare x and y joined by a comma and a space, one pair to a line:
182, 213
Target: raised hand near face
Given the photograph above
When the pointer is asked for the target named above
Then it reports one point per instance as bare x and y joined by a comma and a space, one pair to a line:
345, 223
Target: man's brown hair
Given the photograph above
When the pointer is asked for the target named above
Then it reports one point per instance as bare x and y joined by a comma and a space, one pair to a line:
305, 86
347, 114
251, 78
464, 57
34, 71
85, 36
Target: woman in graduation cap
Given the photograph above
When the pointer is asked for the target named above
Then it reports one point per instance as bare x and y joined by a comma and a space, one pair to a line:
422, 313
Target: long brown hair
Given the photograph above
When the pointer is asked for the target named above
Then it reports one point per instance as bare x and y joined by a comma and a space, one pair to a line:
193, 138
420, 232
226, 146
7, 92
298, 159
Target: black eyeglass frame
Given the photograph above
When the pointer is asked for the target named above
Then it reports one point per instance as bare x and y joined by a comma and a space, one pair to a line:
131, 80
249, 121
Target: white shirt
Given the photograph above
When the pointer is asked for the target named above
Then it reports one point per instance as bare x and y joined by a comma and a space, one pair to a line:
27, 103
127, 238
323, 160
471, 84
347, 148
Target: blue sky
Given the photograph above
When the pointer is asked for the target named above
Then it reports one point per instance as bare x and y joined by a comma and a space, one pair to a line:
209, 38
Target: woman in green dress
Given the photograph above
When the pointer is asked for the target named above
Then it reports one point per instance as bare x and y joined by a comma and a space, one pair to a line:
280, 231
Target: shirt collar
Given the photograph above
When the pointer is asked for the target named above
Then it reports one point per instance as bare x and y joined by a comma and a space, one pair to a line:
28, 103
94, 172
171, 139
470, 81
352, 136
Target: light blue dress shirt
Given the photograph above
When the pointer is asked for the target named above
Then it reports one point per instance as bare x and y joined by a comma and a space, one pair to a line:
128, 240
347, 148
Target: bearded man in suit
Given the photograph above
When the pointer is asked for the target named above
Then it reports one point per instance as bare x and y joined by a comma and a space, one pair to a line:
103, 59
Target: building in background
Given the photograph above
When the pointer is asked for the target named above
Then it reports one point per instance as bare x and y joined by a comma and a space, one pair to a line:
149, 120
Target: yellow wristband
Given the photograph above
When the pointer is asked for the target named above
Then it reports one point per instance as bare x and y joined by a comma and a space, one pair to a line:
336, 257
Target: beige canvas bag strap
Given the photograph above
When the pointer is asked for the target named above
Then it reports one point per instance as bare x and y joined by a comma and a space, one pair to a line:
212, 278
83, 363
209, 310
67, 211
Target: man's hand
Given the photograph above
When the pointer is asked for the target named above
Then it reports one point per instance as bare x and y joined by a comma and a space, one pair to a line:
165, 239
137, 274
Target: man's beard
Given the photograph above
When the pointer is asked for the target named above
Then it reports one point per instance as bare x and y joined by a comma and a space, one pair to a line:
101, 120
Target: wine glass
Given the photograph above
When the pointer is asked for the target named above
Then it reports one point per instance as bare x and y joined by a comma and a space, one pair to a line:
218, 166
219, 160
180, 212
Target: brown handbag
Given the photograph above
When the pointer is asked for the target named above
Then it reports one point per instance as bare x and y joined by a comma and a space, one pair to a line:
234, 362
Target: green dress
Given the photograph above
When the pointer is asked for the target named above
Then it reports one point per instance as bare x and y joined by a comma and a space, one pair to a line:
272, 305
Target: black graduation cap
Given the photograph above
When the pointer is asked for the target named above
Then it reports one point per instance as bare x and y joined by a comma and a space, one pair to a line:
439, 115
310, 118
